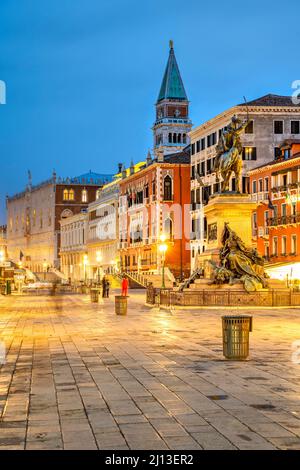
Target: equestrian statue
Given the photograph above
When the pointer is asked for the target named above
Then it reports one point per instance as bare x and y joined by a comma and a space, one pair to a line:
229, 154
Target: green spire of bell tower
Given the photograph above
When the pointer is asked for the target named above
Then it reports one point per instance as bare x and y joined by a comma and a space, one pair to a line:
172, 85
172, 123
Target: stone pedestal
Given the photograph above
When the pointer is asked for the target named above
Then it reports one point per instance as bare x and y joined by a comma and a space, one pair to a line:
236, 210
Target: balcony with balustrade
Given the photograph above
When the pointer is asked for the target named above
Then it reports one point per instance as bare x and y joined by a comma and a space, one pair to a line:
284, 220
262, 196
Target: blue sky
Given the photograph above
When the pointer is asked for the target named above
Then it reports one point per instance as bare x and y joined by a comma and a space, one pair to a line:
82, 76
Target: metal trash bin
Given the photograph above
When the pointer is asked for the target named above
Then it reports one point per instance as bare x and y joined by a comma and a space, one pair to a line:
94, 292
236, 331
121, 305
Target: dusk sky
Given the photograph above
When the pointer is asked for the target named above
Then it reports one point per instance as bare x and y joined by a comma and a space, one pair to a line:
82, 77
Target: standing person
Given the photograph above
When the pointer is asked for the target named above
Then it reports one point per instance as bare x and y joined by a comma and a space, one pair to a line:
107, 286
103, 287
124, 286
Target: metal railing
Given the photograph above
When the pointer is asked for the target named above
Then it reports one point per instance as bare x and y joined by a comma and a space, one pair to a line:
260, 196
283, 220
137, 277
169, 297
284, 188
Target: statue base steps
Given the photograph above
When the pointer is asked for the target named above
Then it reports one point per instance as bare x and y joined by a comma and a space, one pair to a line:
205, 284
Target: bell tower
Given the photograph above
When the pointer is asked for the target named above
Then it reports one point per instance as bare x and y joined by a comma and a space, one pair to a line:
172, 122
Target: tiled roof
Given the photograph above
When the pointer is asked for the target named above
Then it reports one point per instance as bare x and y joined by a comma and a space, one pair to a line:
92, 178
179, 157
272, 100
275, 162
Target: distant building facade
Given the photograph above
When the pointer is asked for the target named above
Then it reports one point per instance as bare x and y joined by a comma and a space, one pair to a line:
103, 231
34, 215
3, 243
275, 187
272, 119
73, 250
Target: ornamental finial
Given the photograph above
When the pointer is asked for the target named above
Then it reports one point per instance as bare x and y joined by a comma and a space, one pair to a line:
171, 43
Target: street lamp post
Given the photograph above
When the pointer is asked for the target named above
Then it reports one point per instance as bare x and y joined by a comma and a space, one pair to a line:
163, 248
45, 269
98, 260
85, 262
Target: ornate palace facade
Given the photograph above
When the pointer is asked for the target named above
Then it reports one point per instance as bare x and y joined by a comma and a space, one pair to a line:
33, 232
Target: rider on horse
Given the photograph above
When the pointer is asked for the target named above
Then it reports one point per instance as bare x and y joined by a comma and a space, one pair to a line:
229, 154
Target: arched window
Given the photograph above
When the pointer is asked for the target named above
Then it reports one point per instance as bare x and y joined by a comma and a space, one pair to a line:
84, 195
174, 139
71, 195
179, 138
66, 213
98, 192
168, 188
66, 195
168, 228
184, 138
138, 236
170, 137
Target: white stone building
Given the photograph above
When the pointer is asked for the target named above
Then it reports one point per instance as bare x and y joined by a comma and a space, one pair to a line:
103, 231
73, 252
273, 119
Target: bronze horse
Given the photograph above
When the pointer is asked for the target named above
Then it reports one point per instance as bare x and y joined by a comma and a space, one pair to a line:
229, 154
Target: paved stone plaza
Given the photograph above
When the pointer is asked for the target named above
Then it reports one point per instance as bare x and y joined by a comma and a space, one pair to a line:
79, 377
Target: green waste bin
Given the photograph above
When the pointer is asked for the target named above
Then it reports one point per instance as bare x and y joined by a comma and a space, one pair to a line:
121, 305
94, 293
236, 331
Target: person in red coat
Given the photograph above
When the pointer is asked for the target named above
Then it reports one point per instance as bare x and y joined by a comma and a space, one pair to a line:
125, 286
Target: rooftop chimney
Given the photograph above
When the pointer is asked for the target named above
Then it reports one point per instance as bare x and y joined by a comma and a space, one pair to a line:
160, 155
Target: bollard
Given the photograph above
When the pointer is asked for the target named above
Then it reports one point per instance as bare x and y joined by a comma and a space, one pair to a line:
236, 336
